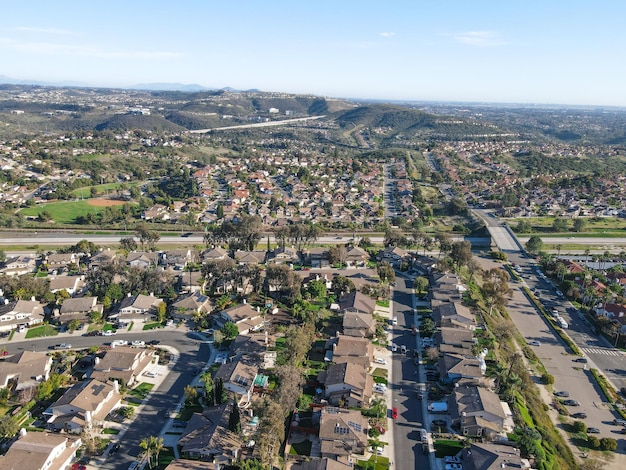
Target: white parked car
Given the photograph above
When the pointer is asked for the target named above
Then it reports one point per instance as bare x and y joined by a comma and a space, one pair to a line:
119, 342
109, 333
137, 343
150, 373
380, 360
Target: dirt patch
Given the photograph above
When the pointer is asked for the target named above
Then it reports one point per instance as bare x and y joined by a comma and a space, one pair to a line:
105, 202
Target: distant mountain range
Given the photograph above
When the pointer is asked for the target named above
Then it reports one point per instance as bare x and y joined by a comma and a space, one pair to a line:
140, 86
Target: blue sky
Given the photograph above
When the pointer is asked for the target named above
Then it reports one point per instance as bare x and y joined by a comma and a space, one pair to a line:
521, 51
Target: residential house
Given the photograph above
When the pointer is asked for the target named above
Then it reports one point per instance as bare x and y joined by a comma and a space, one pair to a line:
85, 403
190, 281
479, 411
489, 456
284, 255
238, 378
393, 255
351, 349
18, 265
20, 313
255, 349
244, 316
453, 367
456, 340
184, 464
250, 257
454, 314
357, 257
214, 254
360, 325
342, 433
614, 312
347, 384
143, 259
78, 309
41, 451
321, 464
177, 259
357, 302
122, 363
70, 284
24, 370
189, 306
101, 258
207, 438
318, 257
60, 261
136, 308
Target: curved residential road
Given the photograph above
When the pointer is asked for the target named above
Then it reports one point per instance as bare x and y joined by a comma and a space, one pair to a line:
193, 354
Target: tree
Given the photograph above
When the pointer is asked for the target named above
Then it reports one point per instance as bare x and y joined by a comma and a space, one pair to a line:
219, 391
559, 225
126, 412
386, 273
128, 244
579, 224
461, 253
593, 442
148, 238
608, 443
579, 427
427, 328
534, 244
432, 354
342, 285
234, 419
152, 446
9, 426
337, 255
230, 330
207, 380
421, 284
73, 325
191, 393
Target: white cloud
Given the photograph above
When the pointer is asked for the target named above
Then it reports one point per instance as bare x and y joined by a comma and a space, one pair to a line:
386, 35
479, 38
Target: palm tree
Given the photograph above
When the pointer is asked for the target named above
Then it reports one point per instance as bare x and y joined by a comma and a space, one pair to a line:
152, 447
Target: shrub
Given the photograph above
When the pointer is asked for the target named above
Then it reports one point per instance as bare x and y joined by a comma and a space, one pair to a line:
547, 379
579, 426
593, 442
608, 443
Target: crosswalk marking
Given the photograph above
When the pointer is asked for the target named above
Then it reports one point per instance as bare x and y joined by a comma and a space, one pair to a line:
606, 352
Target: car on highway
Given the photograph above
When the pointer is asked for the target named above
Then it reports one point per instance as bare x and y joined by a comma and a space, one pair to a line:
593, 431
580, 415
571, 403
394, 413
562, 393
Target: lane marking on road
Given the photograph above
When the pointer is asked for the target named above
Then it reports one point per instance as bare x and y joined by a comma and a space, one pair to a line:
605, 352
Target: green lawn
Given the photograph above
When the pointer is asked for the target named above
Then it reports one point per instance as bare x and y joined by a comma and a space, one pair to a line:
301, 448
100, 188
110, 431
152, 326
62, 212
141, 391
447, 447
41, 331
